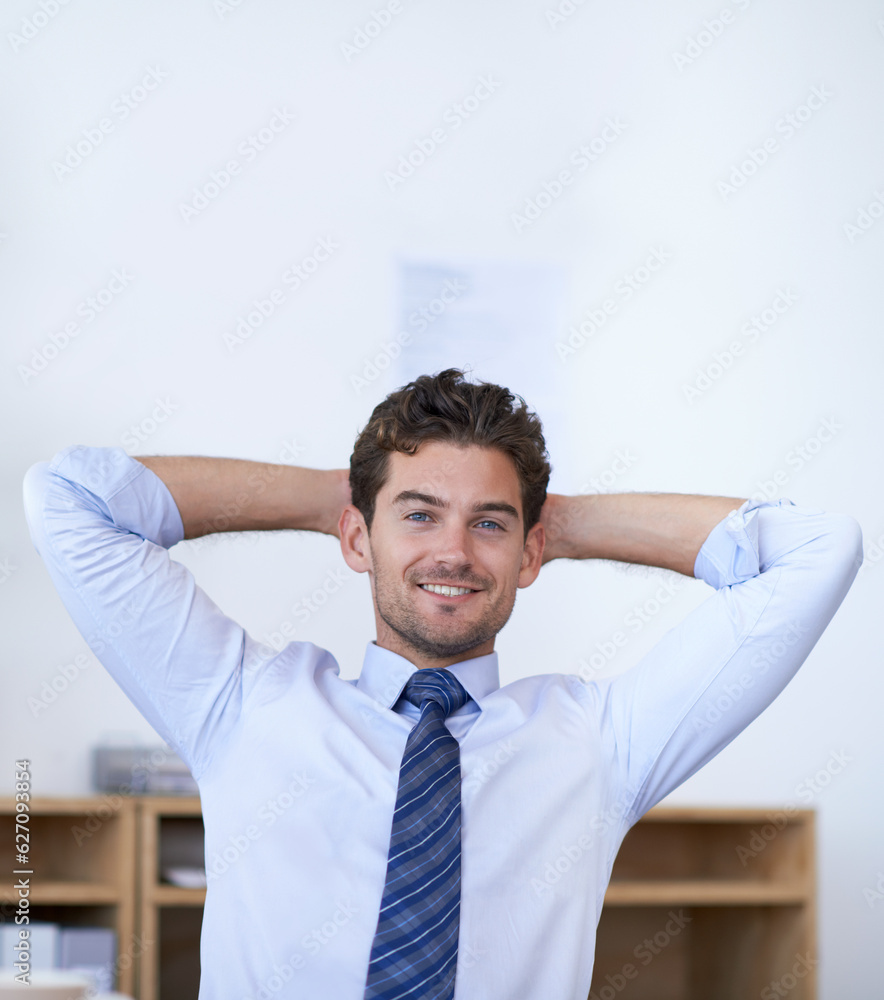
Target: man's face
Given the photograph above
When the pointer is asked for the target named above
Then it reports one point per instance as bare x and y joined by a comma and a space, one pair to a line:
447, 552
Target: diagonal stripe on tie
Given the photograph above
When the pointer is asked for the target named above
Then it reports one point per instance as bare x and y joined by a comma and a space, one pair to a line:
414, 953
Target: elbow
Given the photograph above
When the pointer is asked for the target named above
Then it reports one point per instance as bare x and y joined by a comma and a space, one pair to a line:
34, 487
846, 541
34, 479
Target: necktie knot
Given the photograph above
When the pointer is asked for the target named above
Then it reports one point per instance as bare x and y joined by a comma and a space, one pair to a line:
439, 686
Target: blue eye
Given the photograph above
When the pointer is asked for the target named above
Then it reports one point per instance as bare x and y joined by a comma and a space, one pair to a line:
493, 524
417, 513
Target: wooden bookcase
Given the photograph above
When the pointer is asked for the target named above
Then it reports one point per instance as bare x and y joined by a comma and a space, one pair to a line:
170, 834
704, 904
83, 860
710, 903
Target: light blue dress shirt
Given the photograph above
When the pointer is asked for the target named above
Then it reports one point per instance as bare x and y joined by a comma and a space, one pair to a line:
298, 769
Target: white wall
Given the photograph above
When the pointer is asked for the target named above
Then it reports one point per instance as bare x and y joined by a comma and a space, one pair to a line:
688, 125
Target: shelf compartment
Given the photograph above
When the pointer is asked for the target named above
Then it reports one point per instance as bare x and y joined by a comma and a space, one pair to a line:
671, 845
83, 864
697, 952
78, 841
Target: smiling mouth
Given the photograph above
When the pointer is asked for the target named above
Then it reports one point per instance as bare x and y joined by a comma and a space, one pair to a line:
445, 591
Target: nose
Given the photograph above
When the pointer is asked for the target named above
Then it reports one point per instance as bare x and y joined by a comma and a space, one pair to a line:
454, 546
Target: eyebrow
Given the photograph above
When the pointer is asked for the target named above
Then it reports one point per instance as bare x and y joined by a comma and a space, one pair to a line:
490, 506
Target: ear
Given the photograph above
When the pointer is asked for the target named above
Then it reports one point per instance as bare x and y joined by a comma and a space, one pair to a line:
354, 539
532, 556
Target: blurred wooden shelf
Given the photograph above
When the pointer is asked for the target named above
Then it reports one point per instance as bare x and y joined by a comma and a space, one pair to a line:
170, 834
694, 892
703, 903
709, 903
61, 893
82, 853
173, 895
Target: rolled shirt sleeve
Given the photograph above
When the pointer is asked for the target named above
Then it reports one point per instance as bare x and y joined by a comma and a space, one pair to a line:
102, 523
780, 572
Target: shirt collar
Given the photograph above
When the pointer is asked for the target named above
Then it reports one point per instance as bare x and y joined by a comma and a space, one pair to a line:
384, 674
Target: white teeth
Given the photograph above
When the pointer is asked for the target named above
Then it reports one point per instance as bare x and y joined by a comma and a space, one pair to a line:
435, 588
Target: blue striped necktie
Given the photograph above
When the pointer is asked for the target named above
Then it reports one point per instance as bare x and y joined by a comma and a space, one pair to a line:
415, 946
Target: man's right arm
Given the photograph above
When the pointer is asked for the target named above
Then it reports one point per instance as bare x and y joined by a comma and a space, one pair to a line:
103, 522
230, 494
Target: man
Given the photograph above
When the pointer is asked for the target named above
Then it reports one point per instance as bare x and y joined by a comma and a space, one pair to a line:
445, 507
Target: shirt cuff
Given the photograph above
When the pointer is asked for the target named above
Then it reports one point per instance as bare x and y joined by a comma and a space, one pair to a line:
730, 553
135, 497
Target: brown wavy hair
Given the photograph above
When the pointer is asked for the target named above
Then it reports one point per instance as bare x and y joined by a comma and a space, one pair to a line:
446, 407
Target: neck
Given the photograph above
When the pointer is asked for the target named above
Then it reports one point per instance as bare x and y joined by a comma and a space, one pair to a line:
424, 661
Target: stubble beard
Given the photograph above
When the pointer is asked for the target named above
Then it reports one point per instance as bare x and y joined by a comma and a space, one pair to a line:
430, 641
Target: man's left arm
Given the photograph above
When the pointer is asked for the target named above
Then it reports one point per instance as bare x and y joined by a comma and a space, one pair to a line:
654, 529
780, 572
